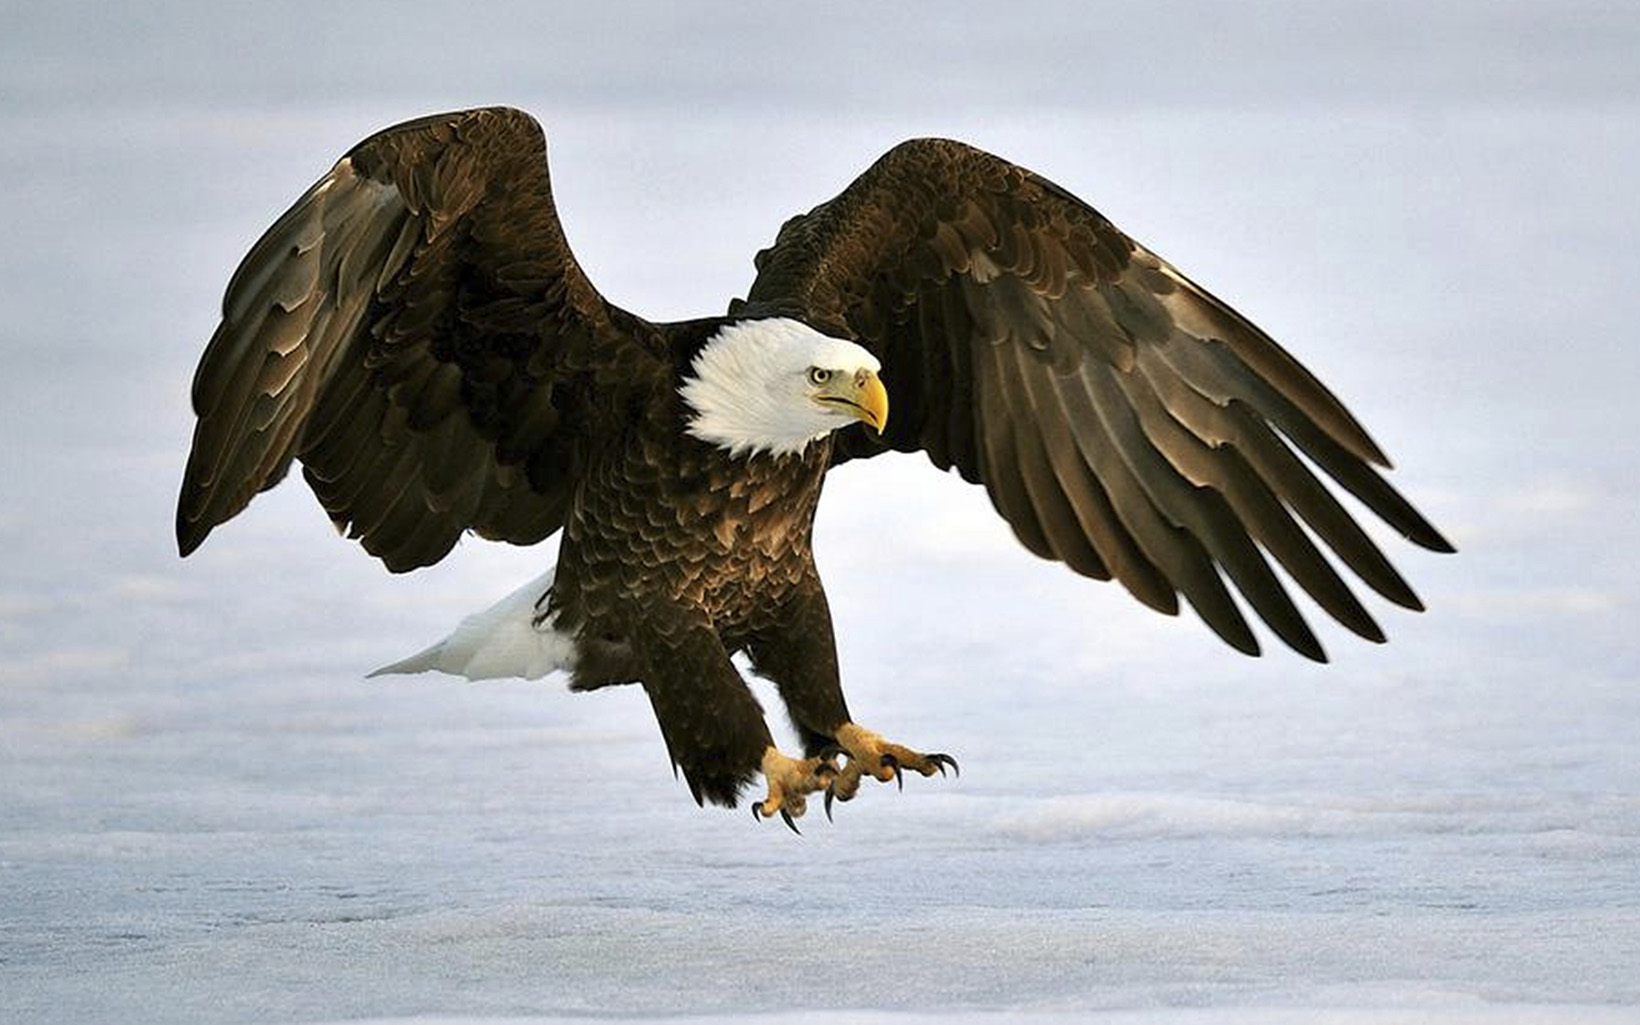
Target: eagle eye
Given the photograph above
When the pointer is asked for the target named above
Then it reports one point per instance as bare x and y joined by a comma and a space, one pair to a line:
819, 375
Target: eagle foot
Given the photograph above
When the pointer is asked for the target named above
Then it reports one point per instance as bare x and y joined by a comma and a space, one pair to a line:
791, 780
868, 754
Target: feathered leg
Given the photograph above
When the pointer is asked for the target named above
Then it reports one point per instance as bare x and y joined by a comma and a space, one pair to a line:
800, 658
713, 725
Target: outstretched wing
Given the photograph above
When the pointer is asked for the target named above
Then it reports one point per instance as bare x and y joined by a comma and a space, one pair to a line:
1123, 420
416, 331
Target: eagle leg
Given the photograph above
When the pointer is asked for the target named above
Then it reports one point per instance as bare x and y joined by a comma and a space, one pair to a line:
791, 780
868, 754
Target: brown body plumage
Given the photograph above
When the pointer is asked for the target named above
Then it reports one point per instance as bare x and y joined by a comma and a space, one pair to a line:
416, 331
674, 557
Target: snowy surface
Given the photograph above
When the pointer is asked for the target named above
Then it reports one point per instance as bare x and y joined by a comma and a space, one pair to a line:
207, 815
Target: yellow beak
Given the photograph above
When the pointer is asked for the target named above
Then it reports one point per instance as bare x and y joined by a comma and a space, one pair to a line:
862, 395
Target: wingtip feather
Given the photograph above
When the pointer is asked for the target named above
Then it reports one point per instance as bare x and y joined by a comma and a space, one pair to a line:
190, 534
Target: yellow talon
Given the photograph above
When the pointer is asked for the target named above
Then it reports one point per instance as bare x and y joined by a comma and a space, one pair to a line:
870, 755
790, 781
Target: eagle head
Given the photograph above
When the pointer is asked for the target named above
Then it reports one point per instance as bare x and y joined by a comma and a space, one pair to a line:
774, 385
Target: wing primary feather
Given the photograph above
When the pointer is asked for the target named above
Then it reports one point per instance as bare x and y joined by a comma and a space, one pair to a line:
959, 399
1175, 551
1252, 503
1275, 464
1090, 504
1043, 489
1202, 314
256, 282
229, 462
1214, 371
1201, 511
930, 429
1364, 483
998, 456
1272, 527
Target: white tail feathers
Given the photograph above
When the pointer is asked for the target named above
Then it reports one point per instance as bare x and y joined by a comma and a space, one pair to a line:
502, 641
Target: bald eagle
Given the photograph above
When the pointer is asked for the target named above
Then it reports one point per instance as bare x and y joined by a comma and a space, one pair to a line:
416, 331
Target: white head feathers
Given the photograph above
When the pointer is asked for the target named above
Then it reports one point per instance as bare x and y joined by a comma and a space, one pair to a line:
753, 386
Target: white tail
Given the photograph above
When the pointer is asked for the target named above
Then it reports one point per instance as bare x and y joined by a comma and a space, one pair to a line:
502, 641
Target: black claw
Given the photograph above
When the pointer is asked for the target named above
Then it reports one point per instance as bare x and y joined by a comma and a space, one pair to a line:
829, 796
790, 823
942, 761
894, 763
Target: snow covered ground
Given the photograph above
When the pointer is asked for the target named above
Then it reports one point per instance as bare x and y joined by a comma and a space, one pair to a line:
207, 815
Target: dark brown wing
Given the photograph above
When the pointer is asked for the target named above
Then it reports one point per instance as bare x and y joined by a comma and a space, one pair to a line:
1122, 419
416, 331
